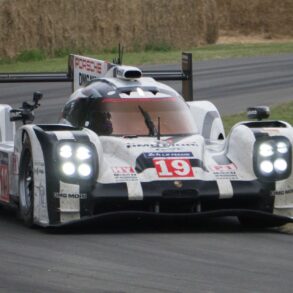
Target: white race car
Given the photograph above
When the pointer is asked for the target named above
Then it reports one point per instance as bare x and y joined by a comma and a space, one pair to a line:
127, 143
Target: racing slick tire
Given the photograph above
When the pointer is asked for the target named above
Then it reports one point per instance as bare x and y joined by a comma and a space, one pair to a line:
26, 184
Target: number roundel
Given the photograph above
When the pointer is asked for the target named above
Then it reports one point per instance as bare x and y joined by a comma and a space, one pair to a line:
173, 167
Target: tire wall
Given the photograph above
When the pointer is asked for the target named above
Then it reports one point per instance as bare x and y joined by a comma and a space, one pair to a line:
96, 25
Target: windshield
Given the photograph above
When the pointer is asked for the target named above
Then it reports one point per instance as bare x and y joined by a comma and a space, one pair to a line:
139, 117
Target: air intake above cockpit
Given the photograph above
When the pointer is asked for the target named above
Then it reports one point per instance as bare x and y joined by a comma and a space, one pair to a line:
128, 72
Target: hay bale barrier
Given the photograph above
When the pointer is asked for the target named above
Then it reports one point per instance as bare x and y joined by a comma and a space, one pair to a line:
269, 18
95, 25
59, 26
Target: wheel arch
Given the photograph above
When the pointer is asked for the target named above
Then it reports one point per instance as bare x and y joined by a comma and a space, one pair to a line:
49, 207
208, 120
27, 135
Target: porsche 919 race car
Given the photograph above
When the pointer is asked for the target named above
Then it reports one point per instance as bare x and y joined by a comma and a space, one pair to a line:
128, 143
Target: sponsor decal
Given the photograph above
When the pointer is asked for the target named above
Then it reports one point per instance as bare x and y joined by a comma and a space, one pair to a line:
83, 78
40, 189
226, 175
39, 169
225, 171
14, 163
161, 145
70, 195
87, 64
123, 170
124, 173
39, 174
167, 168
224, 168
4, 177
4, 186
86, 69
168, 155
282, 192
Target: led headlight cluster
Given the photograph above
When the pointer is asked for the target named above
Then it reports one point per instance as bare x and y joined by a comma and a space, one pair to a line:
272, 158
75, 160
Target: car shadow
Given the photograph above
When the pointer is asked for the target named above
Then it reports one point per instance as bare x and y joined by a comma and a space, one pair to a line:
130, 224
127, 224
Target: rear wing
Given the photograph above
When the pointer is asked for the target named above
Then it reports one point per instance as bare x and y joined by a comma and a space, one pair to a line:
83, 69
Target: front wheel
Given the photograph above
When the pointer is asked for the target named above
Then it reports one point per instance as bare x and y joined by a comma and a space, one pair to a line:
26, 184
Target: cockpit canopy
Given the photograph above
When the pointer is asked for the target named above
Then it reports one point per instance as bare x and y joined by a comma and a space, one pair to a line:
130, 111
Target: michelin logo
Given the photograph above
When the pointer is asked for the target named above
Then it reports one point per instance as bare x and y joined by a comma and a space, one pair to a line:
168, 155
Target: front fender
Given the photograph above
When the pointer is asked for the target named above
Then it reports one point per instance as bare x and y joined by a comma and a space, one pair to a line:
57, 200
240, 144
240, 149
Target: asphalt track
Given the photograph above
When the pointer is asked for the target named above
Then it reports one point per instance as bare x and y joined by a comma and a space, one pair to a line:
131, 255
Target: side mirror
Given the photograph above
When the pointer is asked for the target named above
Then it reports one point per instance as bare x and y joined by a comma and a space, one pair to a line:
25, 113
37, 97
259, 112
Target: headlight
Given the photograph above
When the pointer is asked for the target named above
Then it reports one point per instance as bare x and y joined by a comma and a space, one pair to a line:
266, 167
280, 165
68, 168
65, 151
76, 161
83, 153
266, 150
282, 148
272, 158
84, 170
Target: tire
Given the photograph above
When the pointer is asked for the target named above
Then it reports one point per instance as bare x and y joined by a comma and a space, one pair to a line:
26, 184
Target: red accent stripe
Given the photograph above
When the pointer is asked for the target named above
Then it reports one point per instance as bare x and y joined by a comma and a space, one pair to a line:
123, 100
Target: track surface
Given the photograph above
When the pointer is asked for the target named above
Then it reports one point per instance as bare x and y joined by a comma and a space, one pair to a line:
127, 255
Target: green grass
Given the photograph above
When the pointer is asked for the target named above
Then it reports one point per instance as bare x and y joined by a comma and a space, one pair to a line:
35, 60
281, 112
31, 55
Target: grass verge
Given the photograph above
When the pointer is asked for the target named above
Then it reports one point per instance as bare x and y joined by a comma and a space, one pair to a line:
281, 112
34, 61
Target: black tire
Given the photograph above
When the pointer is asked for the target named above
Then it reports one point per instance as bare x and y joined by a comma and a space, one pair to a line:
26, 184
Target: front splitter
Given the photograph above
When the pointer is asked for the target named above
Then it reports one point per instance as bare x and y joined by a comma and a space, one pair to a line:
279, 220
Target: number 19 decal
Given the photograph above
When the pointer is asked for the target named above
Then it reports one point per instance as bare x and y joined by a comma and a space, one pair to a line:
173, 167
